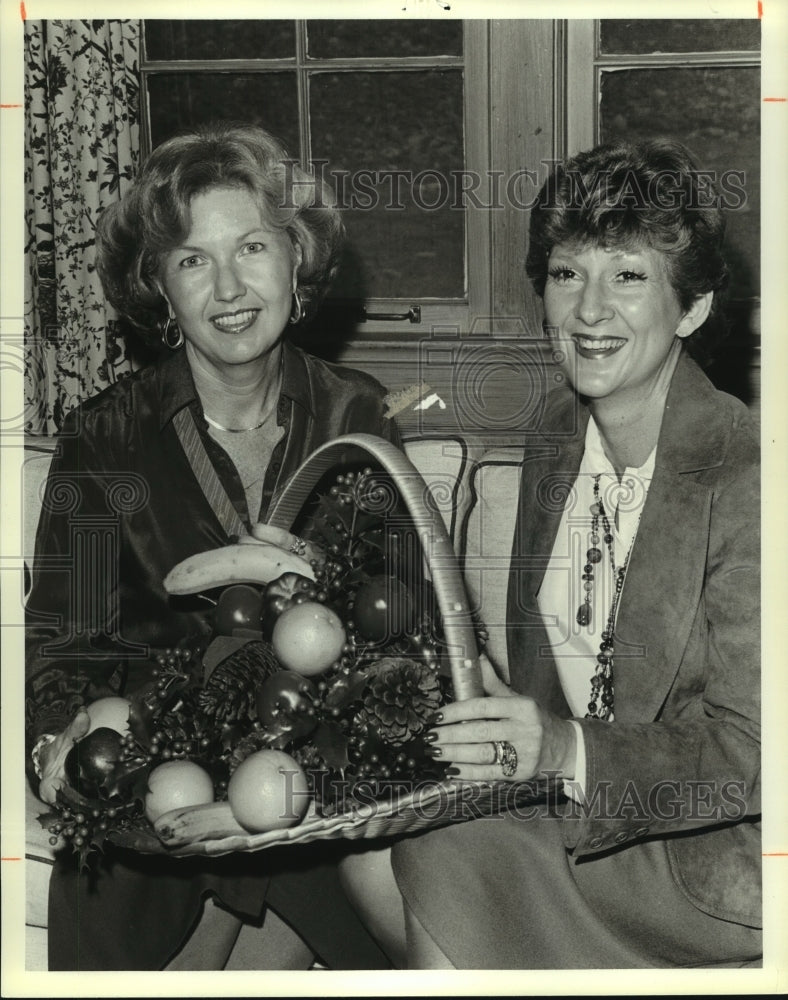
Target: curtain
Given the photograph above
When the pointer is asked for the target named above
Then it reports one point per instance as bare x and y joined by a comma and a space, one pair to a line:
81, 153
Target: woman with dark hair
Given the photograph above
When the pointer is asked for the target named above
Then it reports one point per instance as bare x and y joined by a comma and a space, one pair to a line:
633, 618
221, 245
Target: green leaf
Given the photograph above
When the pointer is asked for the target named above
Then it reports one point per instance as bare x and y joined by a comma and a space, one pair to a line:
143, 707
331, 743
126, 780
47, 819
345, 690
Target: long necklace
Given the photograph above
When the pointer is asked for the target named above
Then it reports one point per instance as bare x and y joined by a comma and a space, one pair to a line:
601, 704
234, 430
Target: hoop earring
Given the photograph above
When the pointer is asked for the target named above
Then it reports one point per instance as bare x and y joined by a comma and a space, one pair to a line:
167, 328
297, 312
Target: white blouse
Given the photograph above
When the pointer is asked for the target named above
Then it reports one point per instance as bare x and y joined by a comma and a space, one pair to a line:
561, 594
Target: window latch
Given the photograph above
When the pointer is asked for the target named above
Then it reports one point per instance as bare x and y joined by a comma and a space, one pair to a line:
413, 315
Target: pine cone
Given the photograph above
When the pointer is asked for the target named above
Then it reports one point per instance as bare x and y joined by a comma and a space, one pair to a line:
401, 697
229, 695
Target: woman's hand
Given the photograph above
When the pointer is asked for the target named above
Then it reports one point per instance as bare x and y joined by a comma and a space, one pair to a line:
52, 758
469, 731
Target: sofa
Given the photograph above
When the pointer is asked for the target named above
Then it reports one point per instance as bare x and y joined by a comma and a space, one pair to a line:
473, 485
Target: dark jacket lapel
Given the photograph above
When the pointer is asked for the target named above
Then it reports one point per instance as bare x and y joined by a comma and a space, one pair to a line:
668, 561
550, 465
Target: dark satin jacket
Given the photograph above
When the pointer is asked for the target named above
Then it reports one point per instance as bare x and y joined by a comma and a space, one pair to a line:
122, 507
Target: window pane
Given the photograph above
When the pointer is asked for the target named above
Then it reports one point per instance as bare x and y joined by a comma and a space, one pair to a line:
346, 39
179, 101
220, 39
709, 35
720, 124
405, 237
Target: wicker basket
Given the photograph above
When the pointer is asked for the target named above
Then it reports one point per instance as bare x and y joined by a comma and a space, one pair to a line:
436, 803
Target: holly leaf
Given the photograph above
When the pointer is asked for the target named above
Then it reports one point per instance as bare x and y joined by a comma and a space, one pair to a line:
220, 648
128, 780
47, 819
143, 707
331, 743
345, 690
328, 533
231, 735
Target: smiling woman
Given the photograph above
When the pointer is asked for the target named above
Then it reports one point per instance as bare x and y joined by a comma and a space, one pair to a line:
220, 246
632, 620
230, 285
618, 324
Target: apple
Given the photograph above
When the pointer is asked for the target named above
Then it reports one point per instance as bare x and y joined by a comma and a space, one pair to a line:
92, 760
383, 609
238, 607
284, 703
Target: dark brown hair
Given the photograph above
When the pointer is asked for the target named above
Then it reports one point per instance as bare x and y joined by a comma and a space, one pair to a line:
649, 193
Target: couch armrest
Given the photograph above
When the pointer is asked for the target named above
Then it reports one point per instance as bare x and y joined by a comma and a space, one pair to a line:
39, 858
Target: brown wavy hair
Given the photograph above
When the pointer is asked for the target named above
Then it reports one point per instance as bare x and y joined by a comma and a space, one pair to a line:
154, 217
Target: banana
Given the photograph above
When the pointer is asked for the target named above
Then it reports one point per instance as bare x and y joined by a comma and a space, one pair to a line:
213, 821
238, 563
263, 532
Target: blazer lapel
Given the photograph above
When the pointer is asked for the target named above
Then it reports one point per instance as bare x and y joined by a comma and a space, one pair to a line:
667, 565
550, 467
668, 561
661, 594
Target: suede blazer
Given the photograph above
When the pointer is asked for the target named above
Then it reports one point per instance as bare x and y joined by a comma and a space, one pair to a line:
681, 761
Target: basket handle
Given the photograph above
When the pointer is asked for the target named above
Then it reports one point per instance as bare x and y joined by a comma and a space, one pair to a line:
458, 628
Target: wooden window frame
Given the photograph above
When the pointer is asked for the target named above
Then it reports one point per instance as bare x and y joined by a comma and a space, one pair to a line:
584, 64
437, 314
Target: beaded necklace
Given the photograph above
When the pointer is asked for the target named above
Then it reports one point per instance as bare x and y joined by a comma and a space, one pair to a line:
601, 704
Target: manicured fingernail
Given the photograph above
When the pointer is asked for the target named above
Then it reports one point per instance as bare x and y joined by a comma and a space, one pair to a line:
437, 718
430, 737
434, 751
452, 771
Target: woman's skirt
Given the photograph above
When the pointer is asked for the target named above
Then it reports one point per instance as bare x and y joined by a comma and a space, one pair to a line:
134, 911
502, 892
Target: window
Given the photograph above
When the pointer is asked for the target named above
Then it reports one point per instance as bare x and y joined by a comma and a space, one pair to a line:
463, 108
385, 110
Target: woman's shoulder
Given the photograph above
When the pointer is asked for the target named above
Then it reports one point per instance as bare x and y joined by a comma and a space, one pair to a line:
742, 447
326, 376
743, 455
118, 401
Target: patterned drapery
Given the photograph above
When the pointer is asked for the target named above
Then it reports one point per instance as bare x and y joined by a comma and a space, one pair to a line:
81, 153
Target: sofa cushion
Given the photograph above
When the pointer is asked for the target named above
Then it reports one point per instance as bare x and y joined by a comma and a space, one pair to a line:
485, 543
34, 473
443, 464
